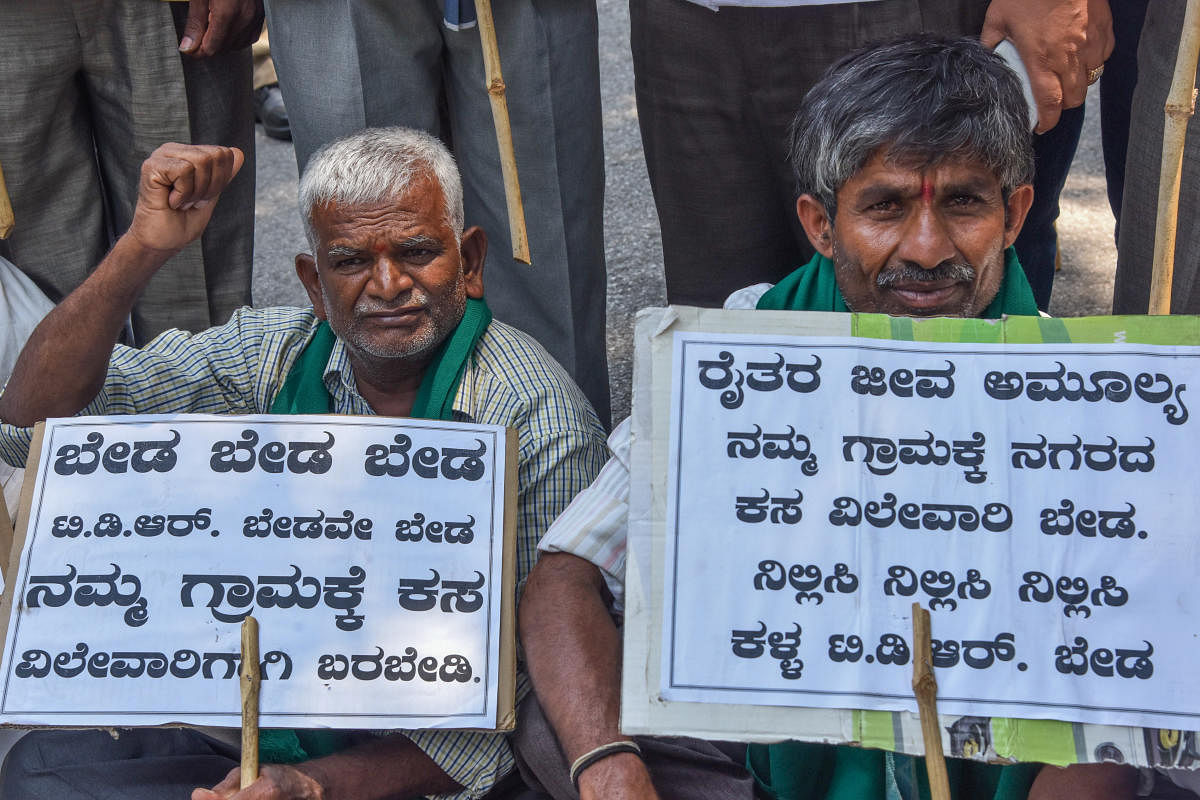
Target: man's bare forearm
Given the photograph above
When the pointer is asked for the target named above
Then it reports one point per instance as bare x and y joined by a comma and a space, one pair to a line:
573, 653
389, 767
62, 366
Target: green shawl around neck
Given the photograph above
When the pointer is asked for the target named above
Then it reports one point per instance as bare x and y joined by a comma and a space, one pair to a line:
304, 392
813, 287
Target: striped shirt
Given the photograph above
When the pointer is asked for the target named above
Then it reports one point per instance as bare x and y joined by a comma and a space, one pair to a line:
596, 524
239, 367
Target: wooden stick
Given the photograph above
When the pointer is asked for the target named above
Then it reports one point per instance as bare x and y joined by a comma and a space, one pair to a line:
250, 686
925, 687
1181, 103
508, 158
6, 209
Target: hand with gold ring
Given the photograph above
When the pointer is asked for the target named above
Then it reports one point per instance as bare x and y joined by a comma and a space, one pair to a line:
1057, 40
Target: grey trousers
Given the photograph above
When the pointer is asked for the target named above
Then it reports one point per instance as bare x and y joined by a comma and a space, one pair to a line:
140, 764
90, 88
681, 768
345, 66
716, 94
1135, 250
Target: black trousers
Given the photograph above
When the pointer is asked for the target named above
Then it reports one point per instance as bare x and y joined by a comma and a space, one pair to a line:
136, 764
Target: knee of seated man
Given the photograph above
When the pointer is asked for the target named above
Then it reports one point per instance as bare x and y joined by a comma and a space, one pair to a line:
45, 760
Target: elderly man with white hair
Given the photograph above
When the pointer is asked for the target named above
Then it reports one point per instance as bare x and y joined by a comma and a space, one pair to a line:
398, 326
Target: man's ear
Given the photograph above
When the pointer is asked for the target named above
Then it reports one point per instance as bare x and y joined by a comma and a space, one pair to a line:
817, 225
1019, 201
474, 251
306, 270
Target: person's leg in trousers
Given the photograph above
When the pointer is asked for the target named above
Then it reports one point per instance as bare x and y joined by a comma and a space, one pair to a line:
1037, 245
1135, 250
551, 71
125, 764
1116, 98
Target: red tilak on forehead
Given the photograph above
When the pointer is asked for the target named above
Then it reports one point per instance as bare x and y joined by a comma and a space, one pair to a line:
926, 190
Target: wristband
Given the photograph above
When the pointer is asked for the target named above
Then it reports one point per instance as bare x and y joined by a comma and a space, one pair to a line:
601, 752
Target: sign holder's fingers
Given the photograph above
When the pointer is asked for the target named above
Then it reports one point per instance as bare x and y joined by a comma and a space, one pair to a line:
194, 28
1181, 104
925, 688
508, 158
1048, 94
251, 682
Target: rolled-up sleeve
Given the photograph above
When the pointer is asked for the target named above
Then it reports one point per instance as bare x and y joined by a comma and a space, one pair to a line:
475, 760
595, 525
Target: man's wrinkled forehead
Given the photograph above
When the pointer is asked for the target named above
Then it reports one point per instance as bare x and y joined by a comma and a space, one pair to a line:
927, 175
420, 204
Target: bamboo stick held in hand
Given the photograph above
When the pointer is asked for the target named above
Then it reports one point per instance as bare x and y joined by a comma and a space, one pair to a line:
925, 687
6, 210
508, 158
1181, 103
250, 687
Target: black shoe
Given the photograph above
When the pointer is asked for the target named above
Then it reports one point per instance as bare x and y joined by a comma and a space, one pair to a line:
271, 112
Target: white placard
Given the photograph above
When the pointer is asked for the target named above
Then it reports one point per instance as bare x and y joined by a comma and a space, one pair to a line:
371, 551
818, 486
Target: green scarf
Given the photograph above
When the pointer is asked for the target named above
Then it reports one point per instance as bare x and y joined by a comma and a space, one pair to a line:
809, 771
304, 392
804, 771
813, 287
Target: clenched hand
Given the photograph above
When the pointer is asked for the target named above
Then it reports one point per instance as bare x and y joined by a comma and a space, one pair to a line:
178, 191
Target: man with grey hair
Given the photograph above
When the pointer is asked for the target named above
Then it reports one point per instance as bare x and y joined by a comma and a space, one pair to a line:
717, 81
398, 326
913, 162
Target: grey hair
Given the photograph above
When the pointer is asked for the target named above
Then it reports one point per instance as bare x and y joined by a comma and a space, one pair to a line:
926, 99
376, 165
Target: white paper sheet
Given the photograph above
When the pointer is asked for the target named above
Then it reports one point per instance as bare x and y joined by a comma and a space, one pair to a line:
1139, 613
372, 562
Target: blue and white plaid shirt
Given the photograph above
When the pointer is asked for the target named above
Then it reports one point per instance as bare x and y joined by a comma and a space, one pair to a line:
239, 367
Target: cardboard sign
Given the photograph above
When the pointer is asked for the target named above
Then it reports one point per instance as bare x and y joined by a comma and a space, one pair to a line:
813, 488
375, 554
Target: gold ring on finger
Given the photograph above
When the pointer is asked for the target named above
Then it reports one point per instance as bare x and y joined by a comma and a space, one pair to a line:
1094, 74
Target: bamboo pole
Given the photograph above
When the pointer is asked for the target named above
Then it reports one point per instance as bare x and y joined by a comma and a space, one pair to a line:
6, 209
925, 687
250, 686
1181, 103
508, 158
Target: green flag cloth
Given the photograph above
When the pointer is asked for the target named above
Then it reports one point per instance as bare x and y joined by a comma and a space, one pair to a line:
809, 771
805, 771
813, 287
304, 392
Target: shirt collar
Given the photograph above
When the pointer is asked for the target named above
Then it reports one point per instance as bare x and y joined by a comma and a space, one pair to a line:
339, 381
